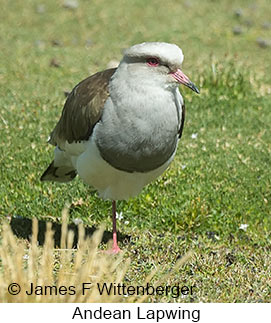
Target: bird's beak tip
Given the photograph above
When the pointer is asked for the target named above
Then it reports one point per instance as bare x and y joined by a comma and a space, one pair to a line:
193, 87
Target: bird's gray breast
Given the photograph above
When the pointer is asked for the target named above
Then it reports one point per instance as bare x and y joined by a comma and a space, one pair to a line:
138, 136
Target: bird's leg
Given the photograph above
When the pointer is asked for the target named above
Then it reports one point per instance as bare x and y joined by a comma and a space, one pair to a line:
115, 248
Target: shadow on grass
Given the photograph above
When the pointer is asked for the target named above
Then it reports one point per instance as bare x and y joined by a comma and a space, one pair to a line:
22, 228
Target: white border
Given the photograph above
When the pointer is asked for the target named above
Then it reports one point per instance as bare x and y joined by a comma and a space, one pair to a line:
209, 313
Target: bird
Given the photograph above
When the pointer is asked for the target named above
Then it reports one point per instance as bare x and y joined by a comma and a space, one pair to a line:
119, 128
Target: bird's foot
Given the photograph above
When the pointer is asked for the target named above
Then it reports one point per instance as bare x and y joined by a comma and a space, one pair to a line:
114, 250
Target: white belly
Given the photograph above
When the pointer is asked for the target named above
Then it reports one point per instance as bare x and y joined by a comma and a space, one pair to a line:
112, 183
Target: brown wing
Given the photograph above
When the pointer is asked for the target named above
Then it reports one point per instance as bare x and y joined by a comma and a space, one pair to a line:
83, 109
182, 122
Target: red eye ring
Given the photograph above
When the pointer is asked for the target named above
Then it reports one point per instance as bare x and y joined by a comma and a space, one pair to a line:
153, 61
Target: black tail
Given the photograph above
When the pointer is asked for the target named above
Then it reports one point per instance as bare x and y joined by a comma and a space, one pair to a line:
60, 174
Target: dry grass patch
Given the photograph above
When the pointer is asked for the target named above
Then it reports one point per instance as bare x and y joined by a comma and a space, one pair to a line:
46, 274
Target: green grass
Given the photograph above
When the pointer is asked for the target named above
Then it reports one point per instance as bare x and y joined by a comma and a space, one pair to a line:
226, 180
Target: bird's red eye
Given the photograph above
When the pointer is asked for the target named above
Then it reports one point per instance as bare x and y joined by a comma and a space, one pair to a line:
153, 61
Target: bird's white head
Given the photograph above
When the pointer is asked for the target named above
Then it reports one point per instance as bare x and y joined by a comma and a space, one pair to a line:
157, 62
